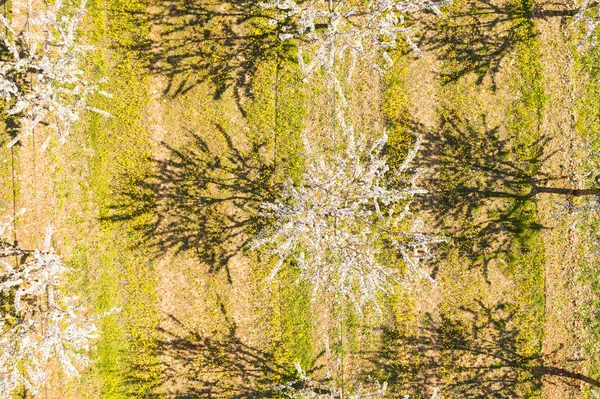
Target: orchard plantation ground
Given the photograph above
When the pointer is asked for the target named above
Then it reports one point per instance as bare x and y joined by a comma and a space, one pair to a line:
154, 207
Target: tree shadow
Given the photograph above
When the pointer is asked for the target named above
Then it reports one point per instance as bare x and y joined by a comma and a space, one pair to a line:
10, 127
482, 187
222, 42
197, 365
476, 36
203, 197
476, 353
557, 9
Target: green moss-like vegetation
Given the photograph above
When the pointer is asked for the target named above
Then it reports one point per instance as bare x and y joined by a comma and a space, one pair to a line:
395, 109
275, 116
526, 257
111, 273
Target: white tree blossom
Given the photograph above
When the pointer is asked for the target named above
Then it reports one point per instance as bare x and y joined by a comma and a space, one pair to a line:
335, 28
590, 18
42, 80
306, 388
39, 324
339, 223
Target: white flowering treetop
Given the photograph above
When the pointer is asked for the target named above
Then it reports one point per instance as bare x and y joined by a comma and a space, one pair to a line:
39, 325
306, 388
332, 29
40, 77
337, 222
591, 19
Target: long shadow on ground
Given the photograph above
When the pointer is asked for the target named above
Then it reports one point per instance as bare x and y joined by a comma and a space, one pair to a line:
475, 353
222, 42
483, 187
476, 36
193, 364
198, 199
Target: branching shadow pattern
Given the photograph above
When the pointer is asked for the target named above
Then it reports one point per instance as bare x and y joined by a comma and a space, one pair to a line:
476, 37
222, 42
199, 199
481, 194
475, 353
197, 365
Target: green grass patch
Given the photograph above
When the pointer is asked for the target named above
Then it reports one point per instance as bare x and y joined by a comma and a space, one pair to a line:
110, 272
395, 108
526, 257
275, 116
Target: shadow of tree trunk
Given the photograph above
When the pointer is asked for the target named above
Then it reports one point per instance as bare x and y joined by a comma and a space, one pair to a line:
200, 198
475, 353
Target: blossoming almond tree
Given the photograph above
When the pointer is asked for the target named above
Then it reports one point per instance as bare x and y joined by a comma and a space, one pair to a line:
344, 218
41, 78
336, 28
39, 325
